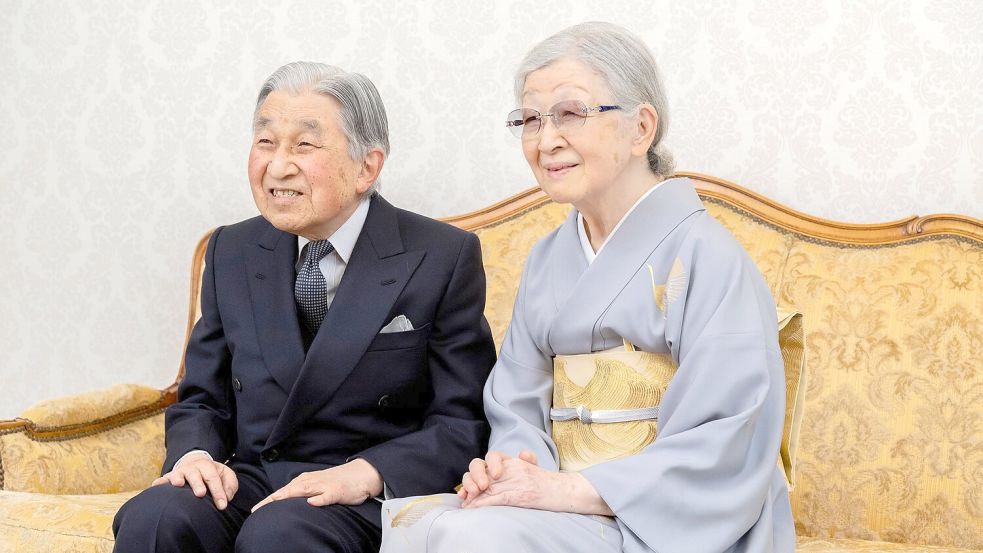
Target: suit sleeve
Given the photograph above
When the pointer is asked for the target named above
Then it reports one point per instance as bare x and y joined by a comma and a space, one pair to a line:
202, 418
461, 352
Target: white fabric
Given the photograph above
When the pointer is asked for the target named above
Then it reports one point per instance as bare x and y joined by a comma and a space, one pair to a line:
190, 453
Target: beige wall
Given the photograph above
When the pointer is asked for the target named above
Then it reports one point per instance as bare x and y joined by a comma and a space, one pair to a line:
125, 129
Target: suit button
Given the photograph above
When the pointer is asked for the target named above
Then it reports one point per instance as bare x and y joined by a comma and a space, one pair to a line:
384, 401
236, 384
271, 455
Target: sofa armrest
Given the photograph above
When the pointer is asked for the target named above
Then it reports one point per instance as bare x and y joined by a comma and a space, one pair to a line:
107, 441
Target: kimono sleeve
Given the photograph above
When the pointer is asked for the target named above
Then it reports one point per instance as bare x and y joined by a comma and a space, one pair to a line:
519, 392
707, 482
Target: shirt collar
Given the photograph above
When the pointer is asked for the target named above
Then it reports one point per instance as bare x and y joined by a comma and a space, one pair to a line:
589, 252
347, 234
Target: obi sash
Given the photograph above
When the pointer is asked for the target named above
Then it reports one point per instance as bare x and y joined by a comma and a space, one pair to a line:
606, 404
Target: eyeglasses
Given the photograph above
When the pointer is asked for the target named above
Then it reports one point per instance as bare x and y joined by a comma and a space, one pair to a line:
569, 114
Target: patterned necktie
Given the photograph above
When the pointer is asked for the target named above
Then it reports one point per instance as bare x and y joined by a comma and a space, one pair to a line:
310, 290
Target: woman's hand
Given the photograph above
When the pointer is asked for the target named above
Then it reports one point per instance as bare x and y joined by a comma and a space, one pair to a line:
519, 482
481, 473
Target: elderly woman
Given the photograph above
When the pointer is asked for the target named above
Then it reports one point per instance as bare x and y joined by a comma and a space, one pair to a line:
638, 401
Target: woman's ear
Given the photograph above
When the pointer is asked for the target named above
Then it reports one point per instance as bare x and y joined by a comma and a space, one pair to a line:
648, 123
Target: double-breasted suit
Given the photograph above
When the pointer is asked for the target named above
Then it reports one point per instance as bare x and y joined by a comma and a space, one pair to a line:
273, 402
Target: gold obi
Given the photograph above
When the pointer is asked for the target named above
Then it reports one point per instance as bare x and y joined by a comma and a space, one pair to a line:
605, 404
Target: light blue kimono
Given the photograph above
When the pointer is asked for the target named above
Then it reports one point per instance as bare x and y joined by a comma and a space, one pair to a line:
710, 481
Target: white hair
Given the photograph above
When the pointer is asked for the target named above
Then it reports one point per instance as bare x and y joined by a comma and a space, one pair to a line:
363, 115
625, 63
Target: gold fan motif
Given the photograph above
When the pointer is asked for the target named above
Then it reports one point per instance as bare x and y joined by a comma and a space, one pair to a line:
614, 379
415, 510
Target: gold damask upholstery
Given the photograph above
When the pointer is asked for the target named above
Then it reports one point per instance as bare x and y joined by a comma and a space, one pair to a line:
890, 451
892, 444
55, 454
896, 343
32, 522
820, 545
504, 247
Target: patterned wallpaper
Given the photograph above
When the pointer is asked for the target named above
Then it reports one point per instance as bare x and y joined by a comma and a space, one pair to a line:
126, 128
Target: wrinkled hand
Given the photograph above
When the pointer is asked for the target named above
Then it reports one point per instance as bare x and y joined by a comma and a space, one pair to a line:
520, 482
204, 476
348, 484
481, 473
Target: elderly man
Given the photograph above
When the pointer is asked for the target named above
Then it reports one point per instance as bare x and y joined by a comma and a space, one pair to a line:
341, 350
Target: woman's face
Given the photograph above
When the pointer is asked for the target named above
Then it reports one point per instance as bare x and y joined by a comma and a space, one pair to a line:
581, 164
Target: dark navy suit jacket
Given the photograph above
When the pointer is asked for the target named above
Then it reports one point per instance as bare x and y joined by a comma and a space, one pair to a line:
409, 402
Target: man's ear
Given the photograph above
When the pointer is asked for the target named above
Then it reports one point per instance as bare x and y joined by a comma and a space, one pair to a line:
648, 123
370, 169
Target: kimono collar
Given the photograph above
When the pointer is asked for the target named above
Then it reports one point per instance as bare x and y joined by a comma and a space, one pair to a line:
589, 252
583, 292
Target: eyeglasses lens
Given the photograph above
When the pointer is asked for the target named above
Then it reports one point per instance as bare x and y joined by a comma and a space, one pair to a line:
527, 122
524, 122
569, 114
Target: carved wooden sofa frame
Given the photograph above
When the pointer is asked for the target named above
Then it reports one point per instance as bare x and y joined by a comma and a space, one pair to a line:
891, 452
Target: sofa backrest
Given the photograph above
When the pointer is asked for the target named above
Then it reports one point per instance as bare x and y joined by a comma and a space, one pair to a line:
891, 446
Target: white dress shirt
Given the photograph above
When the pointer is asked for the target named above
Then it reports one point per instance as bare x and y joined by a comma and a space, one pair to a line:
343, 240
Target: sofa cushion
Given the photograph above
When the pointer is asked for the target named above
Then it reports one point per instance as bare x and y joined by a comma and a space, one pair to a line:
76, 445
32, 522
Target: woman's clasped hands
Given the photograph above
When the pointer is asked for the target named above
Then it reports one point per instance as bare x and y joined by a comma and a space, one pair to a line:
502, 480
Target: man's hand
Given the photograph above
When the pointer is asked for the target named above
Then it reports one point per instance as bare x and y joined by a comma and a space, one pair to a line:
519, 482
204, 476
348, 484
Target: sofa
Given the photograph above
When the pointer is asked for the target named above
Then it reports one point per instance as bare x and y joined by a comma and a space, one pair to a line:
889, 452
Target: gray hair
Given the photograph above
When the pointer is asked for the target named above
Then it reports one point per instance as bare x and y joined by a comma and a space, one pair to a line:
363, 115
624, 62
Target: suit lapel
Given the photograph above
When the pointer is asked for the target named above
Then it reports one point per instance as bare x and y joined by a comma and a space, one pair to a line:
270, 274
377, 272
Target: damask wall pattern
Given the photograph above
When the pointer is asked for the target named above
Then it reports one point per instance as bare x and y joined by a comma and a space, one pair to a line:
126, 129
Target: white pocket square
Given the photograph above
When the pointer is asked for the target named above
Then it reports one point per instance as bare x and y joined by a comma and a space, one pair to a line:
399, 324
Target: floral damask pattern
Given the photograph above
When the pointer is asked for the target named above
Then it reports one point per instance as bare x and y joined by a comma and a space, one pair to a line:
821, 545
504, 248
890, 449
90, 406
58, 523
894, 414
768, 248
120, 459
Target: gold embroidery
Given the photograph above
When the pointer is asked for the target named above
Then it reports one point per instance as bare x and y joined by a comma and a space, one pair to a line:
666, 294
614, 379
415, 510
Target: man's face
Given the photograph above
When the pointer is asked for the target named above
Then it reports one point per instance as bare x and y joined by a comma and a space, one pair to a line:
302, 178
